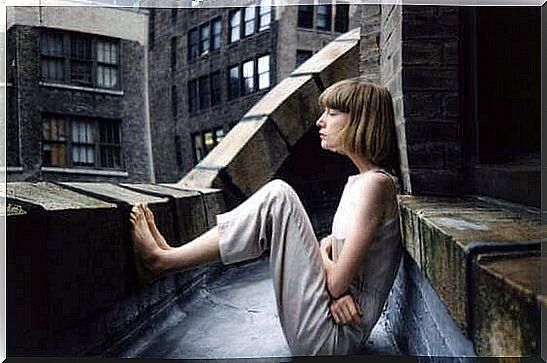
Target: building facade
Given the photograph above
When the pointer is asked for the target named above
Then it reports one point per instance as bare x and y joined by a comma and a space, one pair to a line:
208, 66
77, 95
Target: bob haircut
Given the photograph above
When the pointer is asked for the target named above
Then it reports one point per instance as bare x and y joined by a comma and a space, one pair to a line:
371, 131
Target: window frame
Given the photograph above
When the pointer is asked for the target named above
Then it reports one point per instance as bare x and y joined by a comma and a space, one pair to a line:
328, 17
99, 145
68, 59
232, 26
201, 136
270, 13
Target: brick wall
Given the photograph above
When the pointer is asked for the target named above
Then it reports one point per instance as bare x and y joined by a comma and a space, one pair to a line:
34, 100
431, 97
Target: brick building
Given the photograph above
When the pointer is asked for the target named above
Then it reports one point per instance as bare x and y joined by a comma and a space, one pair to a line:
77, 94
208, 66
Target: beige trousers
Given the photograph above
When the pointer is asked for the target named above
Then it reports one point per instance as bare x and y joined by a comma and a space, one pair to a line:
274, 218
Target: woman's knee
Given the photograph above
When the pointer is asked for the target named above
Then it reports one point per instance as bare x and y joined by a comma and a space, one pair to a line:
280, 187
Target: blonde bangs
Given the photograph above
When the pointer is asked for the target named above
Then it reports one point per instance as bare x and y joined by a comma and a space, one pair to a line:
338, 96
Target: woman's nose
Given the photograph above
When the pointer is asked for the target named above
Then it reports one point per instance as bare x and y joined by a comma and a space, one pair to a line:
319, 121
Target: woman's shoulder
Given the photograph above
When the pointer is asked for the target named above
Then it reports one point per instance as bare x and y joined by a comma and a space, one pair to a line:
378, 188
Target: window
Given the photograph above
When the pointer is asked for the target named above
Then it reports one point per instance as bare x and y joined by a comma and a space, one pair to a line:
174, 101
83, 139
248, 77
341, 18
264, 15
235, 24
302, 56
264, 72
324, 17
178, 150
305, 16
173, 54
249, 27
217, 33
79, 59
193, 44
205, 141
216, 89
203, 86
52, 48
192, 96
204, 39
233, 82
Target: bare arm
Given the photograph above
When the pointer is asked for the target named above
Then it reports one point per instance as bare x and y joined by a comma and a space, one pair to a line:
372, 203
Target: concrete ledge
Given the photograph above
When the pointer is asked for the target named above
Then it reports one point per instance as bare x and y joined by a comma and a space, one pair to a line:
274, 124
72, 286
447, 236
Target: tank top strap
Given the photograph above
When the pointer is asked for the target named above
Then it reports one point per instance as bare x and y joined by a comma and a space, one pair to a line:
393, 179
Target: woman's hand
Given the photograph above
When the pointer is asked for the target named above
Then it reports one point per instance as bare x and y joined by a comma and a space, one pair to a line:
345, 310
326, 253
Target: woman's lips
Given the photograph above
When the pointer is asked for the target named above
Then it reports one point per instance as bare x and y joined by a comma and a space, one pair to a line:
322, 136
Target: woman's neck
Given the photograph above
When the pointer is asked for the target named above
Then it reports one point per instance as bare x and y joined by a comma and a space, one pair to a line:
362, 164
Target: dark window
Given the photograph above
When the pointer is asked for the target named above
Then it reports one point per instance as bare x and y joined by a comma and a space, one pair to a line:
173, 53
70, 141
81, 61
174, 101
305, 16
248, 77
216, 25
264, 15
204, 39
53, 62
205, 141
216, 89
92, 61
263, 72
342, 18
192, 96
249, 27
193, 44
302, 56
324, 13
233, 82
235, 25
204, 94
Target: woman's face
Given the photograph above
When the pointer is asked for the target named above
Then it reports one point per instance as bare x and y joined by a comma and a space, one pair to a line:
330, 125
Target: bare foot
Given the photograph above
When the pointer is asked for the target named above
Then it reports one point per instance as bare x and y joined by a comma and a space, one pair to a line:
143, 241
158, 237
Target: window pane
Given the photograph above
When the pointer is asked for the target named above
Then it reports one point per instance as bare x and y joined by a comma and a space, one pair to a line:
249, 20
107, 52
109, 147
265, 13
324, 17
219, 135
209, 143
193, 41
80, 73
248, 77
233, 89
192, 96
203, 92
198, 147
52, 69
342, 18
54, 154
264, 72
217, 29
52, 44
107, 76
216, 89
235, 20
204, 39
305, 16
80, 47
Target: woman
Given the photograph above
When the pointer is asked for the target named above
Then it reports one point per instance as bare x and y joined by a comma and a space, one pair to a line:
329, 295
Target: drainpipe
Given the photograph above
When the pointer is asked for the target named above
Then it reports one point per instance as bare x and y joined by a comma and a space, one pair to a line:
147, 134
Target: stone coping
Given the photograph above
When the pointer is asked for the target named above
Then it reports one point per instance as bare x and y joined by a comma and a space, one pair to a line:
73, 282
481, 257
